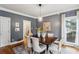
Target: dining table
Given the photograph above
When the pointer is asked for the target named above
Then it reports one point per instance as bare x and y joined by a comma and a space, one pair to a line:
48, 41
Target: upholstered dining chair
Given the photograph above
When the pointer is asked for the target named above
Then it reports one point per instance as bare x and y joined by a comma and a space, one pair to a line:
56, 48
36, 47
50, 34
53, 49
43, 35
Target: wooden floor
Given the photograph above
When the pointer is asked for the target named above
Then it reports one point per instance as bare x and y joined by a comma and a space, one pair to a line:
9, 48
72, 47
6, 50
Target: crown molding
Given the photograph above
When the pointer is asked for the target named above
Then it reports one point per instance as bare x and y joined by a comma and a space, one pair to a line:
11, 11
60, 12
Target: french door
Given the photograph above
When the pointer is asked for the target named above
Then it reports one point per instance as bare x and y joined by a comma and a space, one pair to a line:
70, 30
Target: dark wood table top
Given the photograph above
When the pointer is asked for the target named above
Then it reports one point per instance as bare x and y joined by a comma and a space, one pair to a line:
48, 40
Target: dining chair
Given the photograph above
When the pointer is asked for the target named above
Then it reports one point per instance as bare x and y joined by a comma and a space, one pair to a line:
50, 34
43, 35
53, 49
36, 47
60, 45
56, 48
38, 34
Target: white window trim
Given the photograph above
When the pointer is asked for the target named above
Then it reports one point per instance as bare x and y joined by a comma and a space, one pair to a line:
63, 36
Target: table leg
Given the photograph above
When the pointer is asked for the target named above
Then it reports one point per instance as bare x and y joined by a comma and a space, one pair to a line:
47, 47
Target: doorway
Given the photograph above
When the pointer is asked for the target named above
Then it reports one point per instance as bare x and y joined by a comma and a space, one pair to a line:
26, 27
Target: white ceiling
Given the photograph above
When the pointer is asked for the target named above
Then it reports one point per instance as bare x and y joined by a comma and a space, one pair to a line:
34, 10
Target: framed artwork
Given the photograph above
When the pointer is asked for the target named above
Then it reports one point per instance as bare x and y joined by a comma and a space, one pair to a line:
46, 26
17, 24
17, 29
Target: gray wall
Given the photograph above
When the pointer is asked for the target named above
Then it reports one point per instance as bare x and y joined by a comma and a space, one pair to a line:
55, 24
15, 36
70, 13
54, 19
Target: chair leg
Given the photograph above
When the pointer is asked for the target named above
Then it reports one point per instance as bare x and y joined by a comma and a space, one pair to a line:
35, 52
50, 52
42, 52
39, 53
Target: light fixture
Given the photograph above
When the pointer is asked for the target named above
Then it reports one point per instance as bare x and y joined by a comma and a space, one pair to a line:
40, 18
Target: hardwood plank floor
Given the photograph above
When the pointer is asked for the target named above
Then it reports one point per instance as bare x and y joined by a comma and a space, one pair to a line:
6, 50
66, 49
9, 48
72, 47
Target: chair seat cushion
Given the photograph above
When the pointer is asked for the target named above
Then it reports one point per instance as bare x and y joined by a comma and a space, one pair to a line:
53, 48
42, 48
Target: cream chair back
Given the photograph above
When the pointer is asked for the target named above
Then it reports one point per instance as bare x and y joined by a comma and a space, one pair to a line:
35, 42
50, 35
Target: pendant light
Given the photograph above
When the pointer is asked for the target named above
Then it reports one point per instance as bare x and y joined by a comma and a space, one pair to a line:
40, 18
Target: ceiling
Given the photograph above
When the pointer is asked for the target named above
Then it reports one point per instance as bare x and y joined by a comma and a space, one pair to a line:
34, 9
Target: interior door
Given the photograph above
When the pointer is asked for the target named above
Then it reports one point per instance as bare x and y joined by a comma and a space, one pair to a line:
4, 31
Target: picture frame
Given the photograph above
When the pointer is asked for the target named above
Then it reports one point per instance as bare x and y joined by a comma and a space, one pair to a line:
46, 26
17, 24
